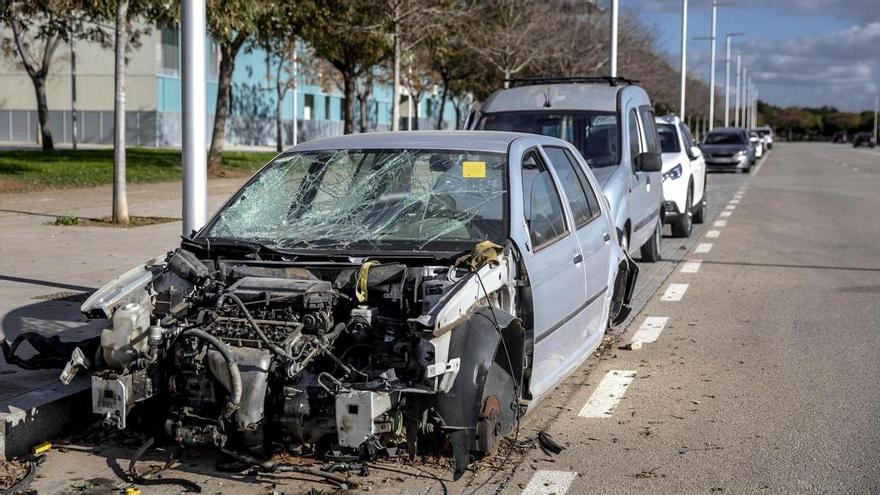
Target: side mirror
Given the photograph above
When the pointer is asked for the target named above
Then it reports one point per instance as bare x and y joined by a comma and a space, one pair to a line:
695, 152
649, 162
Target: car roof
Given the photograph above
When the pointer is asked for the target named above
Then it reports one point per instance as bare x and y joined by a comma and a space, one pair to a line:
490, 141
560, 96
728, 129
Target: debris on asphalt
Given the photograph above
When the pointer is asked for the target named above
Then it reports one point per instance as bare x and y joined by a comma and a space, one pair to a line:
548, 444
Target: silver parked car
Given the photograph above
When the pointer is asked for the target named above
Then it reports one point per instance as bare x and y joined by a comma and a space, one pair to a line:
728, 148
366, 293
611, 123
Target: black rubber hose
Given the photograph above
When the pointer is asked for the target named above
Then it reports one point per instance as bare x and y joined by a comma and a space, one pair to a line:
247, 314
223, 349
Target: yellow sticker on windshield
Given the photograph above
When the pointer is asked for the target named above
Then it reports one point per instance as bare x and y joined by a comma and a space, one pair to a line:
473, 170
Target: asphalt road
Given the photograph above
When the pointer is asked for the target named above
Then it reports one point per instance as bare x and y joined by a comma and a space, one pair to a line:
759, 370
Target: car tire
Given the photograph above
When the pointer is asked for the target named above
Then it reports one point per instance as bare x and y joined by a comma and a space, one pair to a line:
700, 212
683, 225
651, 249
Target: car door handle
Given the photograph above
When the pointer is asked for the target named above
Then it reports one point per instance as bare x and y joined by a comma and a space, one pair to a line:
606, 236
578, 258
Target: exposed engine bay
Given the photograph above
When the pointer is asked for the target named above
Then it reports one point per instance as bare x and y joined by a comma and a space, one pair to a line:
350, 359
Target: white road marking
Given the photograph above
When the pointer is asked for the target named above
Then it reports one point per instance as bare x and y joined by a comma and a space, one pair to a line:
730, 207
720, 223
703, 247
734, 201
724, 214
650, 330
691, 266
550, 482
712, 234
674, 292
855, 169
606, 396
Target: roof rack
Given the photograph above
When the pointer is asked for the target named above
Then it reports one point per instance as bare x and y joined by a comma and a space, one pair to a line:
532, 81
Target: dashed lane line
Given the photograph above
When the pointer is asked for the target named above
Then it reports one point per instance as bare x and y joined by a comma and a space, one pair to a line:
550, 483
691, 266
674, 292
724, 214
607, 395
720, 223
649, 331
734, 201
730, 207
703, 247
712, 234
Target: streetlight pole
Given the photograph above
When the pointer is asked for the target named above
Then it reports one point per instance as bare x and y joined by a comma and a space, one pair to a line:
684, 29
195, 170
745, 82
727, 80
613, 55
738, 89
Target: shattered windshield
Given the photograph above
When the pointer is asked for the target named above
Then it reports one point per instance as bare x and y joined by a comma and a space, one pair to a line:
395, 199
594, 134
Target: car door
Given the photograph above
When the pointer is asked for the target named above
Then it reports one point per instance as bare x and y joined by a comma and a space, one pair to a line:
556, 274
591, 229
698, 164
640, 185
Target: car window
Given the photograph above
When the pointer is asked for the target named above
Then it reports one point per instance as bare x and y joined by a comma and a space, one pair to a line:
723, 137
686, 135
668, 138
572, 183
634, 137
594, 134
541, 203
650, 130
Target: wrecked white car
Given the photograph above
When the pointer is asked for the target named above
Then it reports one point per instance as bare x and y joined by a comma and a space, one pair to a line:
361, 294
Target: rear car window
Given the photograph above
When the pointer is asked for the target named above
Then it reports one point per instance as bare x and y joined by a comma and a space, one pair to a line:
594, 134
668, 138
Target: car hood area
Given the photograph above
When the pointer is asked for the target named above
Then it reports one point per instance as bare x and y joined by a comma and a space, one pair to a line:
723, 149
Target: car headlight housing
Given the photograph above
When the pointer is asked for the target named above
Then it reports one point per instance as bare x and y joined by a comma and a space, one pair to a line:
673, 173
740, 154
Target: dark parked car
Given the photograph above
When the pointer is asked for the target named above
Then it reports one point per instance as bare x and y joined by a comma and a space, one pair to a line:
863, 139
728, 148
839, 137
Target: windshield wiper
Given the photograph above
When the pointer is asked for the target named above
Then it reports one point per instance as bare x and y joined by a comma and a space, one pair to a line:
208, 244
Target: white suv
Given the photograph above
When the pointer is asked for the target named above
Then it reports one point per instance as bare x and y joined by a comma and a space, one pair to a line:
684, 176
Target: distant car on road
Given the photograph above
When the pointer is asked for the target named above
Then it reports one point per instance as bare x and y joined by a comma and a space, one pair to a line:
863, 139
684, 176
611, 122
759, 143
728, 148
839, 137
767, 133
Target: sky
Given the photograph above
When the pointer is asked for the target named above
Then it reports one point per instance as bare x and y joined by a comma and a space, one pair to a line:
800, 52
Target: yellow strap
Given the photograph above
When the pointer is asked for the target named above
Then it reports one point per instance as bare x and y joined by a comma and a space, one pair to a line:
360, 290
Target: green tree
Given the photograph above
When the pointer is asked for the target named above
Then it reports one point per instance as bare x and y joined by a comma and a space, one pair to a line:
348, 35
38, 27
231, 23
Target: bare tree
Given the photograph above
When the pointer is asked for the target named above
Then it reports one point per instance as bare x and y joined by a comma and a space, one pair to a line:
120, 201
512, 34
409, 23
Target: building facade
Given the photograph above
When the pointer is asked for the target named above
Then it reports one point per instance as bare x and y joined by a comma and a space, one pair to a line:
153, 98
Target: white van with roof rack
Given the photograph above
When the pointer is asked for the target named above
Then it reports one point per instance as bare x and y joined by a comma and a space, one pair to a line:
611, 122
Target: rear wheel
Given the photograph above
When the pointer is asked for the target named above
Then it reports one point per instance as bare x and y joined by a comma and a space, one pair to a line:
651, 249
684, 223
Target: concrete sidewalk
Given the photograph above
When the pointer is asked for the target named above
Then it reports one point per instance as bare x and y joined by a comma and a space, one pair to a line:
46, 271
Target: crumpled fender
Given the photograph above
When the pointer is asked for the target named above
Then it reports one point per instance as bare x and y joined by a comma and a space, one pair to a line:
475, 343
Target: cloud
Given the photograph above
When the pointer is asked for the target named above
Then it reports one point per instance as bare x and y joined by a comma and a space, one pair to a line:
835, 67
862, 10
